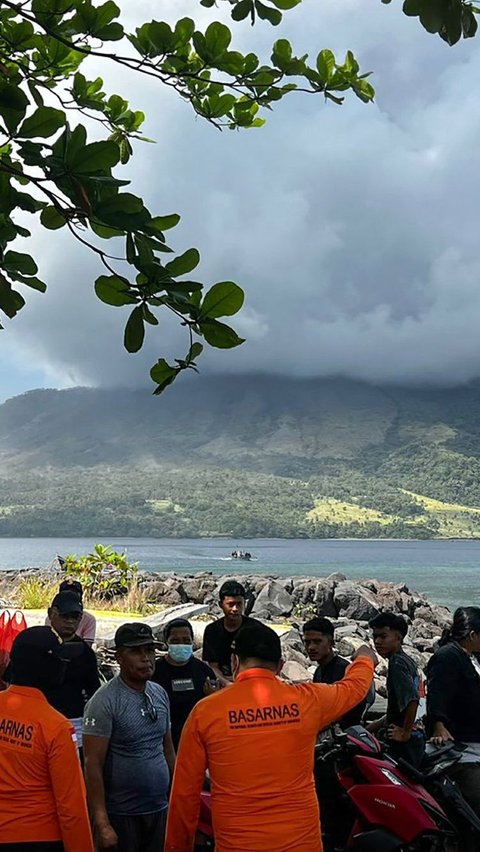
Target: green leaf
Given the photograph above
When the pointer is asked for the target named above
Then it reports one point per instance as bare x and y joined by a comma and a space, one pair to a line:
266, 13
10, 300
326, 65
113, 290
18, 262
412, 8
195, 350
13, 105
286, 4
134, 330
163, 374
242, 10
32, 282
98, 156
44, 122
183, 263
217, 39
124, 211
219, 335
164, 223
222, 300
148, 316
52, 219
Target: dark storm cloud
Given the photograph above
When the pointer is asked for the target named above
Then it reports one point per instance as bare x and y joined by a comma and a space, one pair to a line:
353, 230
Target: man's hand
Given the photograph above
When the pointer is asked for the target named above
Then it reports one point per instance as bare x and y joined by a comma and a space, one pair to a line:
106, 837
366, 651
441, 734
209, 687
398, 735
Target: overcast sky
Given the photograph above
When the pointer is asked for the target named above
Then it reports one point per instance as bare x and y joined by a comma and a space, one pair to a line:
353, 229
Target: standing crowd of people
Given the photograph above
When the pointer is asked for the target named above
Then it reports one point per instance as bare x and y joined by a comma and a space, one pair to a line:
121, 765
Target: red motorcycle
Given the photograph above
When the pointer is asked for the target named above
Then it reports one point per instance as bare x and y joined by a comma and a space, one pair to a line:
371, 803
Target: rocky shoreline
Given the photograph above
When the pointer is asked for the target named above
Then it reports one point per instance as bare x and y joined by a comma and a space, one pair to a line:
285, 602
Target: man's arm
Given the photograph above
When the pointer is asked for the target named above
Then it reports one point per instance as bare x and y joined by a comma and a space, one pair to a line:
402, 733
95, 751
92, 678
334, 700
69, 792
169, 752
188, 780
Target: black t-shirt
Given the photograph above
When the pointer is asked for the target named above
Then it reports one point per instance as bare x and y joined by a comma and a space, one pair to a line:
403, 684
80, 683
331, 673
217, 643
184, 686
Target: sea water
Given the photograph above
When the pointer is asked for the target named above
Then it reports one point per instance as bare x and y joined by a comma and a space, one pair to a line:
448, 572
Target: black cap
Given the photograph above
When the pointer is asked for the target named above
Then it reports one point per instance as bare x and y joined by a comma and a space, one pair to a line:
71, 586
36, 639
67, 602
134, 634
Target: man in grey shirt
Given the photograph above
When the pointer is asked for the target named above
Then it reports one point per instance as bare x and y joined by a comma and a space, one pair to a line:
129, 755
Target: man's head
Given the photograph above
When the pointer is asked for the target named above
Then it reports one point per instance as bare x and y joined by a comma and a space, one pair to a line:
256, 646
389, 631
36, 659
71, 586
65, 614
232, 602
178, 635
135, 652
318, 639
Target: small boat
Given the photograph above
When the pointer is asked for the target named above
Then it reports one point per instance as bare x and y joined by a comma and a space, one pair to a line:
241, 554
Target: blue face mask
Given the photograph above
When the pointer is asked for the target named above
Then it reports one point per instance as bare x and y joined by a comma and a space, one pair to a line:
180, 653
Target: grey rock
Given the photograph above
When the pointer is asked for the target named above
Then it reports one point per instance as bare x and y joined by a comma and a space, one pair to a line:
323, 599
274, 600
295, 672
355, 601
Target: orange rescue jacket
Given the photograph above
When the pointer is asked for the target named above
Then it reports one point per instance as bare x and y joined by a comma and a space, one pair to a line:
42, 794
257, 739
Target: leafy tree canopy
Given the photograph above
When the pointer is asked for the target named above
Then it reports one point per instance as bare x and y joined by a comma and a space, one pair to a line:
51, 168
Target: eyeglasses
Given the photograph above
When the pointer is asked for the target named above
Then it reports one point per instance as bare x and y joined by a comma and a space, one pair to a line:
150, 707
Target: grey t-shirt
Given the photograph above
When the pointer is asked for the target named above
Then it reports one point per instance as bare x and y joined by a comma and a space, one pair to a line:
136, 774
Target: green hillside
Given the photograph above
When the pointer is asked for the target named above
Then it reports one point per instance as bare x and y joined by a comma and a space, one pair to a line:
243, 456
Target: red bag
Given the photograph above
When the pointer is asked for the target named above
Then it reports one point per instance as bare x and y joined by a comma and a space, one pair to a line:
10, 627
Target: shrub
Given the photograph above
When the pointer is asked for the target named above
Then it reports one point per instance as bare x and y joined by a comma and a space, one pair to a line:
34, 593
103, 573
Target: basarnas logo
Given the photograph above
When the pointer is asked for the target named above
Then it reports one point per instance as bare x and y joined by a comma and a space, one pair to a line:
275, 714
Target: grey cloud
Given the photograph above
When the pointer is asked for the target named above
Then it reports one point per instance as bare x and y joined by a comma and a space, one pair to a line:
352, 229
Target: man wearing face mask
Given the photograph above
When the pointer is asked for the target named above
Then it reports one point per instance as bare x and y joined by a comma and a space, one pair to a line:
256, 738
185, 679
42, 795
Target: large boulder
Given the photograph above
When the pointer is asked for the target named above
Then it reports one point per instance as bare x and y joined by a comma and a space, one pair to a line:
295, 672
355, 601
272, 601
323, 599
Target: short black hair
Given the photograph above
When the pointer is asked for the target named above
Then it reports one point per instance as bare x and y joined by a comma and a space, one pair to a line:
391, 620
257, 642
177, 622
320, 625
231, 589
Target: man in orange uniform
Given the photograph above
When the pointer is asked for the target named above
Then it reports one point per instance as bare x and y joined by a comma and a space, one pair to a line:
42, 795
257, 740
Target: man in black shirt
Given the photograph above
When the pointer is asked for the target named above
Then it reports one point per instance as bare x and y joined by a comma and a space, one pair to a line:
219, 635
184, 678
318, 636
403, 689
81, 678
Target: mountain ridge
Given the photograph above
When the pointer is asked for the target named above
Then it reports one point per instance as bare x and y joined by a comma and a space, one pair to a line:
243, 455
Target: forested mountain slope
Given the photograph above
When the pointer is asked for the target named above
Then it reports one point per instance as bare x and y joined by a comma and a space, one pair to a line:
243, 456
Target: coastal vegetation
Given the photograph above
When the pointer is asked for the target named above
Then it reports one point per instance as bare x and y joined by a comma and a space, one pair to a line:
242, 457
